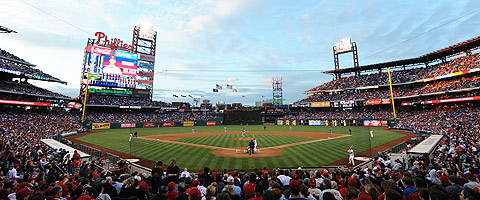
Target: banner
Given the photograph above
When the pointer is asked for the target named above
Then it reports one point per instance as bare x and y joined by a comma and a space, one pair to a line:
168, 124
101, 126
384, 122
347, 102
382, 101
314, 122
189, 123
149, 124
320, 104
27, 103
128, 125
279, 122
212, 123
453, 100
372, 123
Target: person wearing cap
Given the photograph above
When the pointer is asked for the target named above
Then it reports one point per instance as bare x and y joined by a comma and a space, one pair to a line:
231, 181
171, 194
24, 193
351, 159
313, 190
295, 188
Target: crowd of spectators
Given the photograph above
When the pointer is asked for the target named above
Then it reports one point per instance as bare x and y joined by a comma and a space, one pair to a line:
343, 114
21, 65
94, 116
29, 89
124, 101
442, 120
421, 88
401, 76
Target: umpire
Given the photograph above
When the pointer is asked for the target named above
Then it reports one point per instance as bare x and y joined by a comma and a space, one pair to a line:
252, 146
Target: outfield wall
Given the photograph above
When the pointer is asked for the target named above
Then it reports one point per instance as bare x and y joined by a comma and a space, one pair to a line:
106, 125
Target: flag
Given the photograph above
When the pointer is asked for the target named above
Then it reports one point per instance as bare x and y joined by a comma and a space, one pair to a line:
234, 90
263, 96
219, 87
175, 96
243, 96
215, 90
183, 96
190, 96
229, 86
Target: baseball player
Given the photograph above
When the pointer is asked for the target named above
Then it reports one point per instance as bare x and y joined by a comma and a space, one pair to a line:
290, 129
193, 130
350, 159
255, 146
225, 128
251, 146
243, 134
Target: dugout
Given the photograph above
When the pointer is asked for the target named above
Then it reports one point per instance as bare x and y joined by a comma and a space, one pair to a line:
427, 146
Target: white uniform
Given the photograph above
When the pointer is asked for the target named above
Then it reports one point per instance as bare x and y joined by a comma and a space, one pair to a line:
193, 131
290, 129
255, 147
243, 134
225, 128
350, 159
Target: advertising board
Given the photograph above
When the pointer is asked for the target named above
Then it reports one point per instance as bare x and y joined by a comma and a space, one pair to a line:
320, 104
128, 125
212, 123
382, 101
189, 123
109, 67
149, 124
372, 123
101, 126
314, 122
168, 124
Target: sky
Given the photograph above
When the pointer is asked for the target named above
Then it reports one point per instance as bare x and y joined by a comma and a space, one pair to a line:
243, 43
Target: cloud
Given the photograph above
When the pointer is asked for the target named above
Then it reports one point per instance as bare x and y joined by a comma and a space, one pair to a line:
231, 79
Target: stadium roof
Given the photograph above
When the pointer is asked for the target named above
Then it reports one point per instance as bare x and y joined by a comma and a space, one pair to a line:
6, 30
445, 52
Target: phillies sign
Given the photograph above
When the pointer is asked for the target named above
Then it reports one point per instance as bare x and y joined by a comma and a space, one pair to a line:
102, 39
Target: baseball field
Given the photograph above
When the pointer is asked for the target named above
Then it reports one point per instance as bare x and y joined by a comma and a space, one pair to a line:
211, 146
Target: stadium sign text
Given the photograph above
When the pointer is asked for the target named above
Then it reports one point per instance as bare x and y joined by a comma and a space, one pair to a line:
104, 91
114, 42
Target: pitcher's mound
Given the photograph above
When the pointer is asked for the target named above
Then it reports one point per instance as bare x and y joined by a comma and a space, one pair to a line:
241, 138
240, 152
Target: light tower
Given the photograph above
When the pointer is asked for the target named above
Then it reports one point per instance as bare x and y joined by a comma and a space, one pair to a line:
277, 90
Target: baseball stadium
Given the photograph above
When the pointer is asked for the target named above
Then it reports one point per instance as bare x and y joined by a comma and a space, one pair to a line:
398, 128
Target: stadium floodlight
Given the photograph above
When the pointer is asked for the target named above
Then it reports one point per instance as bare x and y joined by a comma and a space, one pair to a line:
6, 30
147, 31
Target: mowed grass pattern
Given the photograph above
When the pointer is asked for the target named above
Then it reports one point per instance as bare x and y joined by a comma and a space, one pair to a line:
227, 140
195, 158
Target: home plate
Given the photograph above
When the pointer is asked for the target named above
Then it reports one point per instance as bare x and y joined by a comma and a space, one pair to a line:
362, 158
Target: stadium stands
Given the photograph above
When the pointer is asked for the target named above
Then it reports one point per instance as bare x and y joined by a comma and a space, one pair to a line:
120, 116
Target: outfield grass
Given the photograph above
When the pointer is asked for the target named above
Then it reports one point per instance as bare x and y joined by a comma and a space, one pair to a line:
195, 158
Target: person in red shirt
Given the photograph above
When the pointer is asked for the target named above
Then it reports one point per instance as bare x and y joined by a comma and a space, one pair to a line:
171, 194
77, 163
258, 192
249, 189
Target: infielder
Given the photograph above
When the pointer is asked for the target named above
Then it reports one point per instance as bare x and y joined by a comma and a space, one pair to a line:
350, 159
225, 128
243, 134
